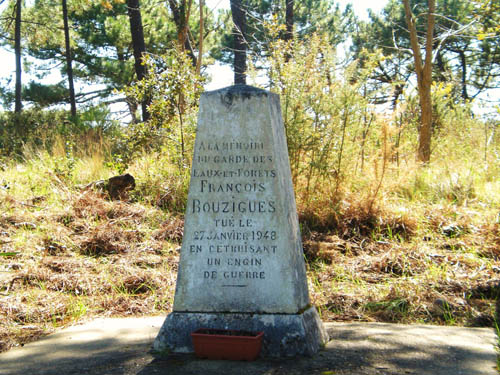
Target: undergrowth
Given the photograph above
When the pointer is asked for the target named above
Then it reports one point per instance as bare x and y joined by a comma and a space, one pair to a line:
68, 253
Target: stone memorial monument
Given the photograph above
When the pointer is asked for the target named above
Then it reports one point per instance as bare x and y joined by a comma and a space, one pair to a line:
241, 264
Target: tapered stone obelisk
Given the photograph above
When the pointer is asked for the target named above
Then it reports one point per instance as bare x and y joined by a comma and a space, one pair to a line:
241, 264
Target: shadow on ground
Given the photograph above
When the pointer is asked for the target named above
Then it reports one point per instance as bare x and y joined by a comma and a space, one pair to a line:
355, 348
363, 348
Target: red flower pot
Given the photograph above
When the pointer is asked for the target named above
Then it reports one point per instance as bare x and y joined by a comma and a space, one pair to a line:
227, 344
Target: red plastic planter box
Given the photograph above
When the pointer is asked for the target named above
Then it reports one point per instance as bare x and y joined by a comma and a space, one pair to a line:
227, 344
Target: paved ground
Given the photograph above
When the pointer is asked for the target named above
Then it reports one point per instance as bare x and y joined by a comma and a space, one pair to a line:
120, 346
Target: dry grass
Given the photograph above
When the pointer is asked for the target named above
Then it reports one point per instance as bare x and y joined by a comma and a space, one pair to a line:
72, 254
442, 269
92, 257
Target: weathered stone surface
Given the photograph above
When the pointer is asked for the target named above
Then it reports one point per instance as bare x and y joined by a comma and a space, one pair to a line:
286, 335
241, 249
241, 262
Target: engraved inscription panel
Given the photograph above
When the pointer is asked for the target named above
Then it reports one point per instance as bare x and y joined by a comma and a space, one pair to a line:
235, 179
241, 248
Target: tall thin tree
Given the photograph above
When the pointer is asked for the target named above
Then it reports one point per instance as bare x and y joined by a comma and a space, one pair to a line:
288, 37
181, 13
69, 66
17, 51
240, 46
289, 19
423, 69
139, 46
200, 41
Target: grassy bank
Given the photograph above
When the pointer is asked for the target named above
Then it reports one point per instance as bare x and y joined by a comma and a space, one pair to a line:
411, 245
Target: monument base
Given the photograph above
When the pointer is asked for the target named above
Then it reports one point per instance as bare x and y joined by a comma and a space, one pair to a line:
285, 335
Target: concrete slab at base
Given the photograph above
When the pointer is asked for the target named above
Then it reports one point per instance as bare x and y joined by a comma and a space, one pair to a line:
285, 335
120, 346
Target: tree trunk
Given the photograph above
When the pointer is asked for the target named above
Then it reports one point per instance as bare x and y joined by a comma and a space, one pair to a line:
200, 42
463, 63
137, 33
424, 77
441, 69
184, 12
398, 91
181, 16
17, 50
69, 67
424, 138
289, 20
289, 27
132, 108
240, 48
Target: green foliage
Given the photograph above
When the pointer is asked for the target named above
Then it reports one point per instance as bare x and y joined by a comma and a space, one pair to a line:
459, 58
174, 89
45, 95
487, 12
100, 40
340, 144
160, 182
36, 126
326, 115
395, 309
374, 240
8, 254
310, 16
42, 129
